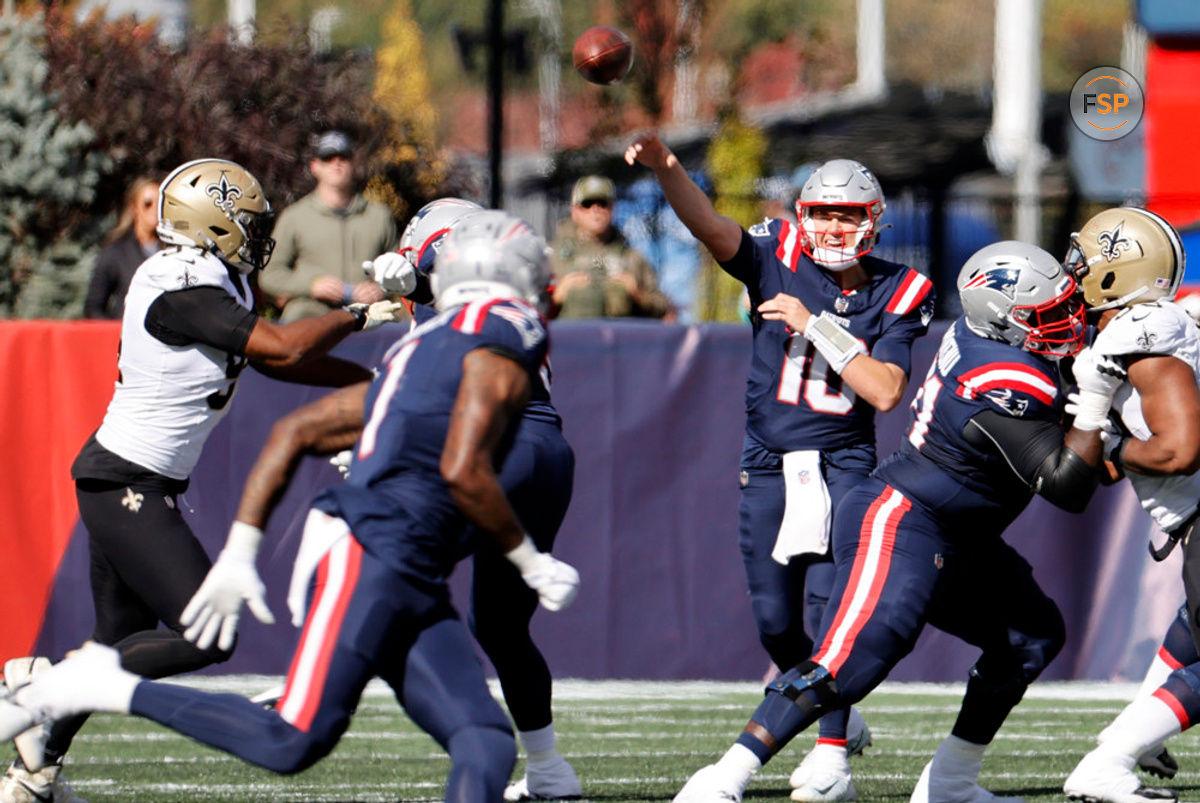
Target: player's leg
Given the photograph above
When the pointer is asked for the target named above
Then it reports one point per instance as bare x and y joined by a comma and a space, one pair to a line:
886, 575
537, 476
989, 598
440, 684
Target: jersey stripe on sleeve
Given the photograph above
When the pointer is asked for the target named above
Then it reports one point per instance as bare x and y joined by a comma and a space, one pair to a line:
912, 291
788, 250
1011, 375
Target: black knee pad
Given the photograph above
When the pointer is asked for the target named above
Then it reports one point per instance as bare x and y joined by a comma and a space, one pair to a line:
808, 685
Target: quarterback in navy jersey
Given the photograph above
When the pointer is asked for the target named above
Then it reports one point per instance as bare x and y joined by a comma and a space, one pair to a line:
833, 333
920, 541
369, 585
538, 477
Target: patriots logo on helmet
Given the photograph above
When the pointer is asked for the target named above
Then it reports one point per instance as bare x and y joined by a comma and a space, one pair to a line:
224, 194
1112, 243
1006, 400
1003, 280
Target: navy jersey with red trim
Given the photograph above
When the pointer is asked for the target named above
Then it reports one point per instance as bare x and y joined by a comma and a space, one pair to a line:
540, 408
941, 469
395, 500
794, 400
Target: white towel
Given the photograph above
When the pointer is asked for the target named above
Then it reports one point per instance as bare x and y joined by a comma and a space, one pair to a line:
321, 533
807, 509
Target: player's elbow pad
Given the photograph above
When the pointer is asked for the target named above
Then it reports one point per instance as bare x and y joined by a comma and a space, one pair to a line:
1066, 480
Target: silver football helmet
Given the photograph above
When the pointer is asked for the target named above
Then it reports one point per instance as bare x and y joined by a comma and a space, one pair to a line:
218, 206
422, 237
1020, 294
491, 254
1126, 256
840, 182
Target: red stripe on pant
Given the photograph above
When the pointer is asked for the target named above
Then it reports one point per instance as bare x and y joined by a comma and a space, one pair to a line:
872, 561
337, 576
1176, 707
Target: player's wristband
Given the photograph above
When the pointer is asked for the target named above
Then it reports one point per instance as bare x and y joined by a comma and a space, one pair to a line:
524, 556
1116, 455
833, 340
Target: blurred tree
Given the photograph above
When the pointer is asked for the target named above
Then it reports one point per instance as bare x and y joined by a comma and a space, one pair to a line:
47, 173
735, 161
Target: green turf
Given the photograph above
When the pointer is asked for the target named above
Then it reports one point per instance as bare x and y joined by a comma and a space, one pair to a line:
628, 742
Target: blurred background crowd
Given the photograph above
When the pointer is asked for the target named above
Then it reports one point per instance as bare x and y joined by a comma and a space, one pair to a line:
97, 100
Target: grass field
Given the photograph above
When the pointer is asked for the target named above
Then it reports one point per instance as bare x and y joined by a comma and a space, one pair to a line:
628, 741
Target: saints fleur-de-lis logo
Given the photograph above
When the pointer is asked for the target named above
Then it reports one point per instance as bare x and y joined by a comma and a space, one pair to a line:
1146, 339
1112, 243
186, 278
224, 194
132, 500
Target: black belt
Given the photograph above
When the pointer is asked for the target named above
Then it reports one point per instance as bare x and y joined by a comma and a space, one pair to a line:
1174, 537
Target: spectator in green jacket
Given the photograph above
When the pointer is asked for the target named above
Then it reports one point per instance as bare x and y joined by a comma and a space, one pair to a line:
597, 273
322, 240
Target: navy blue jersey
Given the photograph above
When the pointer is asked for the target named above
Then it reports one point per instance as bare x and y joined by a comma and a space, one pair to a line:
540, 408
936, 466
794, 400
395, 500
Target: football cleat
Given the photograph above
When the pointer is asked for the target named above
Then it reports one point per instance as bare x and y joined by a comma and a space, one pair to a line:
1159, 762
823, 775
858, 735
47, 785
944, 789
1097, 778
549, 780
31, 744
88, 679
710, 785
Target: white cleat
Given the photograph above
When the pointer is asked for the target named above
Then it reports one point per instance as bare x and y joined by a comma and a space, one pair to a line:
823, 776
31, 744
47, 785
1097, 778
858, 735
710, 785
551, 780
14, 719
943, 789
88, 679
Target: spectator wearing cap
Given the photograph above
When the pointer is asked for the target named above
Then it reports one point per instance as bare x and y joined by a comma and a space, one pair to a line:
322, 239
597, 273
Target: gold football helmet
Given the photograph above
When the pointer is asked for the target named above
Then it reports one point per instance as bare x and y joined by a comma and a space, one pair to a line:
1126, 256
218, 206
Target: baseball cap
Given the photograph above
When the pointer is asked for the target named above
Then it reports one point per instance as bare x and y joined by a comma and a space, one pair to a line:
593, 188
334, 143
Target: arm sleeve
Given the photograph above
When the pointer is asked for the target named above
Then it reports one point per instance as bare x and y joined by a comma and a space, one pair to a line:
423, 292
1035, 451
742, 265
207, 315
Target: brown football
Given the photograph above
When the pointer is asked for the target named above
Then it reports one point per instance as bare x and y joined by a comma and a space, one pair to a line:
603, 54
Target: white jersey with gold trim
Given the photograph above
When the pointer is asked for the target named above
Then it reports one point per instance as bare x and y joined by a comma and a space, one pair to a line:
1160, 328
169, 398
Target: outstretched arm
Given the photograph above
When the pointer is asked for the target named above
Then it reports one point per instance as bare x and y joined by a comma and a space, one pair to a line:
721, 235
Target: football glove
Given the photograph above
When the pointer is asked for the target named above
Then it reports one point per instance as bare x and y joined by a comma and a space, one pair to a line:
392, 272
341, 461
212, 614
555, 582
1098, 377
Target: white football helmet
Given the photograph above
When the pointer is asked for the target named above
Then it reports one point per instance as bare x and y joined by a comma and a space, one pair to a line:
840, 182
1018, 293
217, 205
1126, 256
422, 237
491, 254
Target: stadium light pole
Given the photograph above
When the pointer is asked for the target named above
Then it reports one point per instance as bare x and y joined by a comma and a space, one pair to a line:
495, 80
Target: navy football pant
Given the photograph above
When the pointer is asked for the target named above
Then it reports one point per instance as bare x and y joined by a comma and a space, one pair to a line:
784, 599
364, 620
145, 566
896, 571
537, 476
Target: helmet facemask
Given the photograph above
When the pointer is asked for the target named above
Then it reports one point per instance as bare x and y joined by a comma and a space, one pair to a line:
840, 183
856, 243
1054, 328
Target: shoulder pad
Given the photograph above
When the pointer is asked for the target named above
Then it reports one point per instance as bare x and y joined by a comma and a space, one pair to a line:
1145, 329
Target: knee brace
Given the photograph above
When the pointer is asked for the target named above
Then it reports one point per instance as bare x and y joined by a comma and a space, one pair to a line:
809, 686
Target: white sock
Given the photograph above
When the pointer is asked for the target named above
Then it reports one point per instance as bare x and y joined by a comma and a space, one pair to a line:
740, 763
539, 744
1156, 676
1145, 722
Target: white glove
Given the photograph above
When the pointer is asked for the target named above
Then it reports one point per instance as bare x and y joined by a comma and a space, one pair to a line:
380, 312
232, 580
392, 272
555, 582
341, 461
1098, 377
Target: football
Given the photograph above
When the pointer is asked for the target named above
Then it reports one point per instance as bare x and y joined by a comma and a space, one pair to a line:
603, 54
